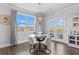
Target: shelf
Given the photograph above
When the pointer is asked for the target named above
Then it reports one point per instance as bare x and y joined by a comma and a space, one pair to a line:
72, 42
77, 43
75, 46
72, 39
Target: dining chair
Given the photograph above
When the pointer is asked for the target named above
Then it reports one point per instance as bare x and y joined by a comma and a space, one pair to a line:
31, 43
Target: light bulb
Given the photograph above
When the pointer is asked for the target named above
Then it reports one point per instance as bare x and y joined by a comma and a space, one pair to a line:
39, 18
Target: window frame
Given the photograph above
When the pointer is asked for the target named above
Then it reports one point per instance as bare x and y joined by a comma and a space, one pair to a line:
34, 23
51, 26
26, 28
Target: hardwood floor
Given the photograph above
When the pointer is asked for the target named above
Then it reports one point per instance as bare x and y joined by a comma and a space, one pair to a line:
23, 49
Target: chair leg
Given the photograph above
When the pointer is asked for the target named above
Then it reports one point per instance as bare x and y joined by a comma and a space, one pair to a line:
45, 50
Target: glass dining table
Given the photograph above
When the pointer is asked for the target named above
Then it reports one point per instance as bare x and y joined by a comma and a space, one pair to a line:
40, 46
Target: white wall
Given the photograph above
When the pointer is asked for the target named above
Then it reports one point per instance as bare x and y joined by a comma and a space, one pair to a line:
67, 15
5, 30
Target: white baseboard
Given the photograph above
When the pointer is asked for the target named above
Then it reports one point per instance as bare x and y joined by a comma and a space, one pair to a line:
60, 40
6, 44
74, 46
22, 41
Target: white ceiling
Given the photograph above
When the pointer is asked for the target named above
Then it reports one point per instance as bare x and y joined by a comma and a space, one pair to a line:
43, 8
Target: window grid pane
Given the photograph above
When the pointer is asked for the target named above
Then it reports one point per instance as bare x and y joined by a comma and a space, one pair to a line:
21, 20
51, 24
31, 24
25, 23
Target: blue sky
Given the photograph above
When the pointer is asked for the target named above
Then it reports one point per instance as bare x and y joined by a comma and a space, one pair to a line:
59, 23
21, 19
31, 21
51, 23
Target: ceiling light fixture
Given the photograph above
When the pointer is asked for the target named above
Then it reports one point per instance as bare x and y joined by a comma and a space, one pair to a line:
39, 17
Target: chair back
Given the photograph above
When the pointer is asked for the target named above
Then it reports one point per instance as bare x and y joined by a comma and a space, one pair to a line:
31, 41
48, 43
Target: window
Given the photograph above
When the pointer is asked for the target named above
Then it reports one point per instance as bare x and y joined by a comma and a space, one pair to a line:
21, 23
31, 21
25, 23
21, 20
60, 28
51, 25
60, 23
31, 24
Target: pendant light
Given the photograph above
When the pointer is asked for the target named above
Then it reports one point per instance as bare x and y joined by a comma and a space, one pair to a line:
39, 17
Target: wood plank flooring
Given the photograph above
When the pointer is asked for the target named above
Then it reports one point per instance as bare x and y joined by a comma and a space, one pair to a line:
23, 49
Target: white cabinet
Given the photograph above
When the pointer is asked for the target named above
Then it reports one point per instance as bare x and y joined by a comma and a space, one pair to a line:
73, 41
